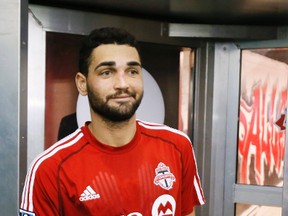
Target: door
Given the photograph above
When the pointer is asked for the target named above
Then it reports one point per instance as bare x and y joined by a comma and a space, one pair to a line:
257, 182
240, 124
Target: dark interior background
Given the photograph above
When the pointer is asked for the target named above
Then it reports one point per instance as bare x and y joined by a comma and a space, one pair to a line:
237, 12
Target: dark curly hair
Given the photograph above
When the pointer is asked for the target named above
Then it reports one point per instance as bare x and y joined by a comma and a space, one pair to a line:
107, 35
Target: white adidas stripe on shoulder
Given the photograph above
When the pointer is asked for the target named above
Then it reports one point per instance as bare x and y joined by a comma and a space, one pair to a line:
149, 123
199, 191
27, 196
156, 126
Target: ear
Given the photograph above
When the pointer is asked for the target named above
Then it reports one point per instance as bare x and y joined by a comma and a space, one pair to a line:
81, 83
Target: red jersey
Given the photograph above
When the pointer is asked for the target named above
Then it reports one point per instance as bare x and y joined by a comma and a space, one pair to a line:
155, 174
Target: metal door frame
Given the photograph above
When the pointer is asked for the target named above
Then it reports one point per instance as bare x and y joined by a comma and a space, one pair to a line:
217, 125
216, 107
217, 89
264, 195
13, 94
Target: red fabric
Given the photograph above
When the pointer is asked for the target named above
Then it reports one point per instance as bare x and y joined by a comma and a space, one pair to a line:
155, 172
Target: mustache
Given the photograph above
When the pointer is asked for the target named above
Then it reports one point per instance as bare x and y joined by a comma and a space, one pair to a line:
121, 92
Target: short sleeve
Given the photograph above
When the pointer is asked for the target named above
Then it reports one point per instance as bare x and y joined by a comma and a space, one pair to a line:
40, 196
192, 193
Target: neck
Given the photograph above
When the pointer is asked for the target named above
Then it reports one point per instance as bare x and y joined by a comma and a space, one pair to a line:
113, 133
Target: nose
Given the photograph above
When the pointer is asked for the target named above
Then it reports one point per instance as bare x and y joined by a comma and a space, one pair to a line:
121, 81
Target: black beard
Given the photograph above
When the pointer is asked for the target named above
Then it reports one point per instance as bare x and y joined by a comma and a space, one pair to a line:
113, 114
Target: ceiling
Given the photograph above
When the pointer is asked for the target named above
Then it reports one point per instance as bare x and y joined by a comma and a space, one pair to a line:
227, 12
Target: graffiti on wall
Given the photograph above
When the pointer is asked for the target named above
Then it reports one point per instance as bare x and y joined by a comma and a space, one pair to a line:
262, 117
259, 135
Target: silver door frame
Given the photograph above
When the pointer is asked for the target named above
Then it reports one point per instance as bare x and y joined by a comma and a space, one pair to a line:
265, 195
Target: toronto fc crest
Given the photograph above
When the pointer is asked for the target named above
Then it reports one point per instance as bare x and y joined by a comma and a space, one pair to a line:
164, 178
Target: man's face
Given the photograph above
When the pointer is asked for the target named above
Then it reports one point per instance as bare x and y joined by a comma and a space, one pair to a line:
114, 82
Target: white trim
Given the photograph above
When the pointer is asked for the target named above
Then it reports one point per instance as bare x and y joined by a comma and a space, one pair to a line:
27, 197
154, 126
198, 191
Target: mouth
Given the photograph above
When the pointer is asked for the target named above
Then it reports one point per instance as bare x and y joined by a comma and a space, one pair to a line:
122, 97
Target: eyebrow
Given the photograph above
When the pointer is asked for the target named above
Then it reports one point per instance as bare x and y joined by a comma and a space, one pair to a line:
113, 63
106, 63
134, 63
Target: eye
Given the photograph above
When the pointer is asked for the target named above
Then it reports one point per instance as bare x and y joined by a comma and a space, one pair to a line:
106, 73
133, 71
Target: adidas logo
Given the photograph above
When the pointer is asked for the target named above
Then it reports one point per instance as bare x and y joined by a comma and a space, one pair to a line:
89, 194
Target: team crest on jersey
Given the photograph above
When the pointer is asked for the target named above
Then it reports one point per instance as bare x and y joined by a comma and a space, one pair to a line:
164, 178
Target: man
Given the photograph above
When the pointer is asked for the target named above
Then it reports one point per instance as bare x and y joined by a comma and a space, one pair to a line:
115, 164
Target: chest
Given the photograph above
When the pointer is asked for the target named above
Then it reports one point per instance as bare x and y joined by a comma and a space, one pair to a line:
139, 181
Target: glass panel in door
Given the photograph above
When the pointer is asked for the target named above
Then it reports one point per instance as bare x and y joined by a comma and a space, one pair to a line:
262, 116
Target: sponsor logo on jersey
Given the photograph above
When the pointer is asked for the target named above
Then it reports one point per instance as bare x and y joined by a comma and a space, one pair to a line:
164, 205
164, 178
89, 194
26, 213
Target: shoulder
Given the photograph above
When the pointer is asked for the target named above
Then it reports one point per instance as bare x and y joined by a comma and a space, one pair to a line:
163, 132
55, 154
44, 169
